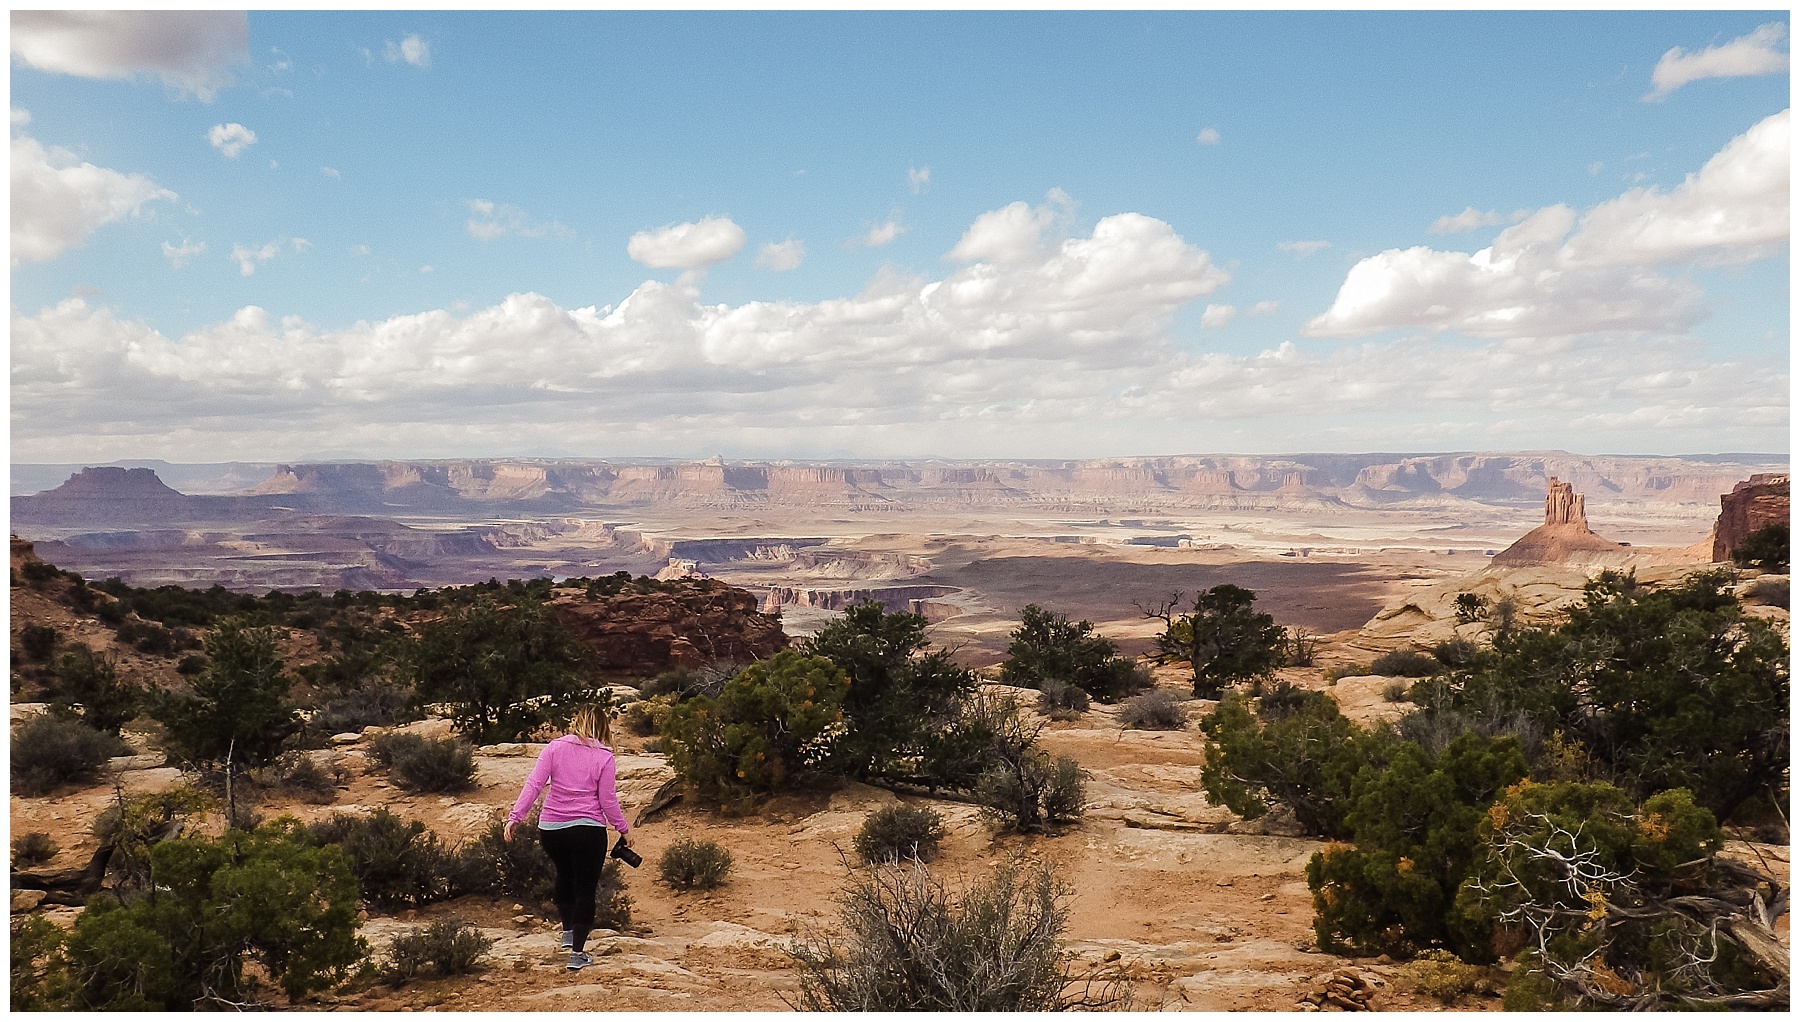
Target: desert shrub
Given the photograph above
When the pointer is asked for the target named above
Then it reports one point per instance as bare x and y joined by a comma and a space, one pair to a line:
300, 774
899, 831
50, 751
503, 669
773, 721
1470, 608
913, 944
39, 572
37, 641
1223, 638
1395, 692
1405, 663
425, 764
33, 849
643, 717
1444, 976
688, 682
135, 826
1454, 652
1296, 750
899, 692
448, 947
1299, 648
1019, 785
190, 665
379, 704
1061, 700
1155, 710
269, 897
398, 863
149, 637
238, 707
1618, 905
689, 863
1770, 591
1766, 548
92, 682
1414, 820
1665, 688
39, 970
1047, 647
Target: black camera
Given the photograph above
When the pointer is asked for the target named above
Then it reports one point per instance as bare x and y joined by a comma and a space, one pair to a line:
627, 856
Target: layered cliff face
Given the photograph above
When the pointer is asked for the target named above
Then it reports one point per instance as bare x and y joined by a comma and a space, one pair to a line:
1758, 501
1564, 538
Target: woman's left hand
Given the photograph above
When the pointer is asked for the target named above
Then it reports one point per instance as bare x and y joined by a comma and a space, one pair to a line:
511, 828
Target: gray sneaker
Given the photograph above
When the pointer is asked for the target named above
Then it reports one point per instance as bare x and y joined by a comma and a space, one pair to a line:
568, 940
579, 960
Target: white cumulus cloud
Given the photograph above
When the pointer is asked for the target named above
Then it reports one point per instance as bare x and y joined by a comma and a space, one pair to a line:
411, 50
489, 220
1013, 233
1208, 136
781, 256
20, 118
1302, 249
230, 139
917, 178
192, 52
57, 200
1762, 52
180, 255
331, 172
880, 234
1216, 316
687, 246
1263, 309
1558, 274
1471, 219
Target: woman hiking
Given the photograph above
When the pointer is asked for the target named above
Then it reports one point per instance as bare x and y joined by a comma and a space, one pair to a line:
579, 770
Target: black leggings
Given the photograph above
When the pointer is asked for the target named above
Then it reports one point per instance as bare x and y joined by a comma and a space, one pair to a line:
578, 852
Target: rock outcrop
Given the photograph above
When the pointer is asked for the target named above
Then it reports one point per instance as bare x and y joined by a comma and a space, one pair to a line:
1564, 538
644, 630
1758, 501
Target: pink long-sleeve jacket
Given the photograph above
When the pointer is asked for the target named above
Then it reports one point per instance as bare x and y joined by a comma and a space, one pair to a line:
580, 777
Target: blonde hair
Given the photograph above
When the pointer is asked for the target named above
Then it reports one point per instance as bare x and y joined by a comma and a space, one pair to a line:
594, 722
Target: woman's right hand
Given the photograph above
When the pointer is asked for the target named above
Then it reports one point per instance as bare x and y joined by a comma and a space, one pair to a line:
511, 828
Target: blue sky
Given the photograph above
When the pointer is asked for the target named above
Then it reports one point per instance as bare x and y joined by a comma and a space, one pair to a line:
1234, 234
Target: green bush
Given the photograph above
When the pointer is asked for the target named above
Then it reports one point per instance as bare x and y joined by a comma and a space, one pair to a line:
49, 752
238, 707
1059, 700
503, 669
398, 863
912, 944
1048, 647
1405, 663
1395, 692
1599, 890
1454, 652
1155, 710
773, 721
425, 764
1296, 750
33, 849
1470, 608
1444, 976
900, 692
1019, 785
300, 774
448, 947
379, 704
1223, 638
899, 831
37, 641
92, 683
1414, 820
133, 827
40, 974
1666, 688
269, 897
1766, 548
689, 864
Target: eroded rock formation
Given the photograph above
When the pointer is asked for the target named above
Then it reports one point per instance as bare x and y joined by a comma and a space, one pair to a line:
1758, 501
683, 623
1564, 538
